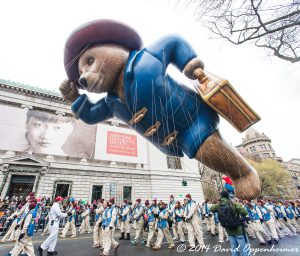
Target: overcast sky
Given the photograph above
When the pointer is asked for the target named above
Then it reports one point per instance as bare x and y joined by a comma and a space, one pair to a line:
33, 35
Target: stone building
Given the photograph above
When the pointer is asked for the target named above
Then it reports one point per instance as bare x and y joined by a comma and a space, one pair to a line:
120, 163
293, 166
257, 144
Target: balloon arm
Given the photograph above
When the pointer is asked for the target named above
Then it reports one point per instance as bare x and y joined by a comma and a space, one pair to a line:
91, 113
172, 49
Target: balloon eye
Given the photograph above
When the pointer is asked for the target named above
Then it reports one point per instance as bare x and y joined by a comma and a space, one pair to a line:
91, 61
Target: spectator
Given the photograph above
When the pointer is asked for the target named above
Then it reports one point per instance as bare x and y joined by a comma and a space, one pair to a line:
230, 214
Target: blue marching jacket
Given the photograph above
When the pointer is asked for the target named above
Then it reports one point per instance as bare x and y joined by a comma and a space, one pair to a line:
156, 102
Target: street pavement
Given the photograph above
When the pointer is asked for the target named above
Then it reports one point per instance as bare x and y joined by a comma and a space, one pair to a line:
82, 246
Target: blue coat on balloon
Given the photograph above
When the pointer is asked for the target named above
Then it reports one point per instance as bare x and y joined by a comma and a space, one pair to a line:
167, 113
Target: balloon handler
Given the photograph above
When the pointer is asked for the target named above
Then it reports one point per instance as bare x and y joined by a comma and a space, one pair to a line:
106, 56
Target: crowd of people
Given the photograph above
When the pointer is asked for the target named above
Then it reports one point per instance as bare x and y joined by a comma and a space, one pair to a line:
228, 219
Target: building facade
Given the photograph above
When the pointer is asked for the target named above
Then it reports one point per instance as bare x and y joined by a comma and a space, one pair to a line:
100, 161
257, 145
293, 166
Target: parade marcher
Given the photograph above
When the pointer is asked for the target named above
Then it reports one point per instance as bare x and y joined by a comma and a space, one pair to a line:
97, 231
85, 224
179, 212
70, 220
55, 216
282, 220
296, 208
290, 218
268, 220
192, 223
24, 243
124, 219
171, 208
16, 217
138, 218
257, 220
163, 227
19, 215
109, 224
280, 229
249, 228
150, 211
209, 217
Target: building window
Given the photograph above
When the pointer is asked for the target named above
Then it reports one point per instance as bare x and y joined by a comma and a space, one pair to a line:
20, 185
253, 149
270, 146
173, 162
263, 147
96, 192
113, 190
62, 189
127, 193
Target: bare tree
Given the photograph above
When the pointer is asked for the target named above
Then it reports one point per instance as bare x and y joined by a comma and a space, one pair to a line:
271, 24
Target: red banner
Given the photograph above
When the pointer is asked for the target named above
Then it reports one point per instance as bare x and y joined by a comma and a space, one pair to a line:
121, 144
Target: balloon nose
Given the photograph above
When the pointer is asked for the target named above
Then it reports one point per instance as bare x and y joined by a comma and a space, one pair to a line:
82, 81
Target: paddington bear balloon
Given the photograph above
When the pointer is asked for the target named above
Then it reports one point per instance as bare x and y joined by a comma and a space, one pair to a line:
107, 56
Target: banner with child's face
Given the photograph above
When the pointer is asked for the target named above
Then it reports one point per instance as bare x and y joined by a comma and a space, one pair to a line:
47, 133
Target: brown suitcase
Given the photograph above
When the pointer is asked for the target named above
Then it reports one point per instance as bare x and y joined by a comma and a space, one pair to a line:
222, 97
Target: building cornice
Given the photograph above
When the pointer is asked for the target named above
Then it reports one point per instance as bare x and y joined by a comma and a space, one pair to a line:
30, 90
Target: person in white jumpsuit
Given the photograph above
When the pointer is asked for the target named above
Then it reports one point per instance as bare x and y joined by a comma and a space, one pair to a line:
54, 217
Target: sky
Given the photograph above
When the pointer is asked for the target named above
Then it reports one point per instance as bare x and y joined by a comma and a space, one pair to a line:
33, 34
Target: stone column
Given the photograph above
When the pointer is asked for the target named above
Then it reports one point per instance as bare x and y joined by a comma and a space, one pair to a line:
41, 173
5, 173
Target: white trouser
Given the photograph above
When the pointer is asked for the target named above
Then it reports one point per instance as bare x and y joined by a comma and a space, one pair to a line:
285, 229
160, 235
261, 234
250, 230
175, 231
210, 224
139, 231
98, 234
125, 226
295, 224
10, 231
151, 232
179, 227
85, 226
51, 241
108, 240
222, 233
271, 225
25, 245
70, 224
194, 230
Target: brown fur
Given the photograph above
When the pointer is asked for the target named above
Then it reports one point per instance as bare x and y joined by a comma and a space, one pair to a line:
103, 75
218, 155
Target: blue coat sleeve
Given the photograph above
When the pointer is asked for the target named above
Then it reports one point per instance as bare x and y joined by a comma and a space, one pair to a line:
89, 112
172, 49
